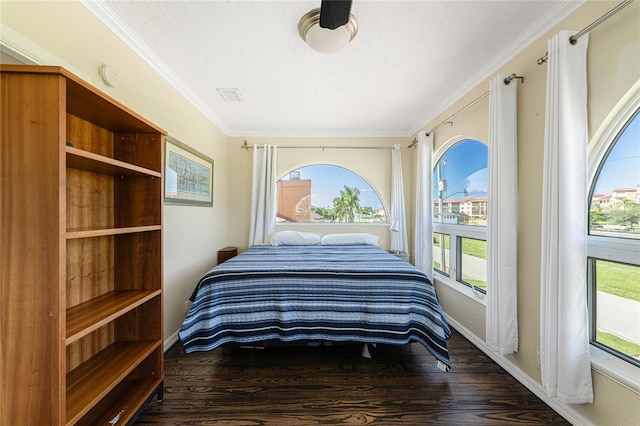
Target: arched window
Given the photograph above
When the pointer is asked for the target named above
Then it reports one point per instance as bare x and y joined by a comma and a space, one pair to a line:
460, 214
327, 193
613, 277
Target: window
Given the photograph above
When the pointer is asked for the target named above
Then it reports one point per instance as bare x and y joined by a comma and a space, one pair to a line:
441, 246
326, 193
460, 216
473, 263
613, 275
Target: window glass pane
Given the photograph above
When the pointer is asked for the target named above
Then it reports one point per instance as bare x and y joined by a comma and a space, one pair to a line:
473, 263
460, 184
615, 199
326, 193
617, 299
441, 252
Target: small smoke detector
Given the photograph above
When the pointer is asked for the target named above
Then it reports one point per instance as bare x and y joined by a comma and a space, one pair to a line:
110, 76
230, 95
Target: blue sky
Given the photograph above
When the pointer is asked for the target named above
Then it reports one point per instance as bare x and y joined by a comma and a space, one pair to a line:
622, 166
327, 181
465, 168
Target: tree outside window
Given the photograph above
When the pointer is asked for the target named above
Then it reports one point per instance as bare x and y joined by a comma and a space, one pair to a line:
614, 246
326, 193
460, 215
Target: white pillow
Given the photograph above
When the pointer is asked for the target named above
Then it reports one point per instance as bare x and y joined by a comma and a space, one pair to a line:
350, 238
294, 238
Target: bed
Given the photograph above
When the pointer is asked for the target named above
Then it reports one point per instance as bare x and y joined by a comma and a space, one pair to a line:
315, 293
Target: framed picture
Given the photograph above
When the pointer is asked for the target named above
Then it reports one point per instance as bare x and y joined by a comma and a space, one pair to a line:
188, 175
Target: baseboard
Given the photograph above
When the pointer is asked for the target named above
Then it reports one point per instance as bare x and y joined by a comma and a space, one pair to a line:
561, 408
171, 341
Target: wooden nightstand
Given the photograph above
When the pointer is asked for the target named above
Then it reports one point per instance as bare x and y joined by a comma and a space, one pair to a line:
227, 253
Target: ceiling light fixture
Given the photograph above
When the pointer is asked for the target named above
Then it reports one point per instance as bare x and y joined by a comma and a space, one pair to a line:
325, 40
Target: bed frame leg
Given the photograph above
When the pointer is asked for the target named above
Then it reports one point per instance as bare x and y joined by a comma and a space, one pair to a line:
160, 393
365, 351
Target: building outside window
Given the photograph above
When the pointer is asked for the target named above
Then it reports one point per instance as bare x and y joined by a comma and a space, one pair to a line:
613, 276
327, 193
460, 215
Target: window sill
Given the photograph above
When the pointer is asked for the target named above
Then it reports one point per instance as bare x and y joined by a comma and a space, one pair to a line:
616, 369
468, 292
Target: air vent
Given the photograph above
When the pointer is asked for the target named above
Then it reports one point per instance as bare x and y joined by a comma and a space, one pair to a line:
230, 95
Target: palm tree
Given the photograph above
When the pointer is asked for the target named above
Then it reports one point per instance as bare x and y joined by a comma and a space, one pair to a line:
347, 204
328, 215
627, 212
366, 212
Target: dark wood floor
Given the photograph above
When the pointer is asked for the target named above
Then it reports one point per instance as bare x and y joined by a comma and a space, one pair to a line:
336, 385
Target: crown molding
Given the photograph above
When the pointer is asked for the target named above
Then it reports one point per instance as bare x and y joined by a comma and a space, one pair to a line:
317, 134
101, 11
552, 18
105, 15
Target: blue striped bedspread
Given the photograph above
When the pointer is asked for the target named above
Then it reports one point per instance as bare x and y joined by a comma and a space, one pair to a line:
347, 293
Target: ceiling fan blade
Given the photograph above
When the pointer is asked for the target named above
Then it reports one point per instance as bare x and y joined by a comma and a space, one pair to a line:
334, 13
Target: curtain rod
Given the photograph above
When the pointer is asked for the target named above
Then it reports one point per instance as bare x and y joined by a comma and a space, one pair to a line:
574, 38
507, 80
248, 147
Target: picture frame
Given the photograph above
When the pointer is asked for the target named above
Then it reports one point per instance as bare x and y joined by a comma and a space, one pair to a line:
188, 175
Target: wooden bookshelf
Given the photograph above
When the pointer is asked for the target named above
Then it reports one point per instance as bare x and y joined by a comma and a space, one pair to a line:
82, 160
81, 252
95, 378
91, 315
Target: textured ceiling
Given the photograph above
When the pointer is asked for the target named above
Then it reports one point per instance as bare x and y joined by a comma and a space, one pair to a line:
409, 60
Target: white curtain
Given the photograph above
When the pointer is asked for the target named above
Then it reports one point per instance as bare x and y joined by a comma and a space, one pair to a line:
424, 206
502, 219
263, 194
398, 216
564, 324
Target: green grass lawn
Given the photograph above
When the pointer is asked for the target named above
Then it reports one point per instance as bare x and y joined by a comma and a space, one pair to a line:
476, 283
475, 248
438, 240
619, 344
613, 278
618, 279
470, 247
478, 249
